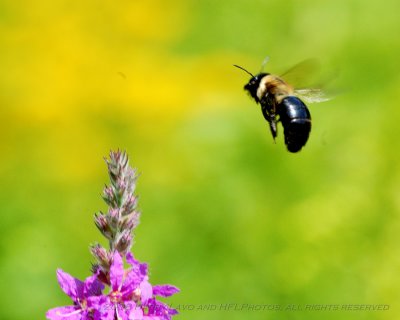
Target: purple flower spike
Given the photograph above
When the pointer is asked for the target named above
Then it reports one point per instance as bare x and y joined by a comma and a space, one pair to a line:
85, 295
129, 296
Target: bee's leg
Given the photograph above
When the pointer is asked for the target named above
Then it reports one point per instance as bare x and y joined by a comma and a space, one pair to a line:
272, 126
274, 121
267, 108
270, 117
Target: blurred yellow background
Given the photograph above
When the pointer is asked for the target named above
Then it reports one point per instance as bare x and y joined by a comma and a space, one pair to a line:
227, 215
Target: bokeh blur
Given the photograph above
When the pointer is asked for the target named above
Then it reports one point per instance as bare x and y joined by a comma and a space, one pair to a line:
227, 215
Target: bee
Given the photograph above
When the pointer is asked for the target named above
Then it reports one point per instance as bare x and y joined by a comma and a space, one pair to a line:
280, 102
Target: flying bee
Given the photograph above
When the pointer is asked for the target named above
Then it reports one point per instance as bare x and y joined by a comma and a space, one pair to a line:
280, 102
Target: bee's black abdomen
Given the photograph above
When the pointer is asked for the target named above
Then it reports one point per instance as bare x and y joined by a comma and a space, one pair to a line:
296, 122
296, 134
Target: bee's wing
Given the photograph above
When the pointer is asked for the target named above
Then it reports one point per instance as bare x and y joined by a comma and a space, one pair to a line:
312, 95
305, 74
307, 79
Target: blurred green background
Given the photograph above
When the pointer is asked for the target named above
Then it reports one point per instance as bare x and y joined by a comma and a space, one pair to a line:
227, 215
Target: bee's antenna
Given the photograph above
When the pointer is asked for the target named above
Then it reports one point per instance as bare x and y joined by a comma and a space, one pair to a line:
264, 63
235, 65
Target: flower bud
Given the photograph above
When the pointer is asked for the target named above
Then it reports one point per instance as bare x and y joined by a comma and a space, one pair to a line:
123, 242
101, 255
113, 217
129, 205
102, 224
130, 221
109, 197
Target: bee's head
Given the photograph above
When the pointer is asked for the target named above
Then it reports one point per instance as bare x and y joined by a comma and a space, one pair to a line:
252, 86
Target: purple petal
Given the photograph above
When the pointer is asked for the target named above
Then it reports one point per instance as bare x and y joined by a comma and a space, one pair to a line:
146, 291
135, 276
96, 315
165, 290
121, 313
172, 312
136, 314
127, 310
131, 260
92, 286
71, 286
157, 308
105, 307
143, 269
116, 271
97, 302
132, 281
107, 314
88, 315
136, 265
64, 313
